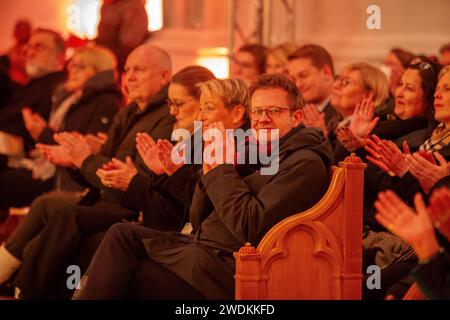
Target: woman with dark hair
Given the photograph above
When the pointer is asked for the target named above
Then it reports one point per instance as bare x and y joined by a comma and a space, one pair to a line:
413, 110
249, 62
408, 173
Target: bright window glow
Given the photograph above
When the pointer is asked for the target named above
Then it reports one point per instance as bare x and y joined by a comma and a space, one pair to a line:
155, 14
216, 60
83, 17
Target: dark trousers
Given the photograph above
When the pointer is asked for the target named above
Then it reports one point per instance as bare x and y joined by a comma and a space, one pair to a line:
19, 189
48, 256
41, 211
121, 269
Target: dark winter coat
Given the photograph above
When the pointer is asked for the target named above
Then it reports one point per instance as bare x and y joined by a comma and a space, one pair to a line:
230, 208
92, 113
154, 120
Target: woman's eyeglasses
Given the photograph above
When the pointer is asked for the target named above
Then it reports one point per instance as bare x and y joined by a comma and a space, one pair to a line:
177, 104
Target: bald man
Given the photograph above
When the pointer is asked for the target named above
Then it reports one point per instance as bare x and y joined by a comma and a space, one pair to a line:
147, 74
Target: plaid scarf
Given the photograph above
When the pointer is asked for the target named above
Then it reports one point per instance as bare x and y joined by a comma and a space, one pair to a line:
440, 138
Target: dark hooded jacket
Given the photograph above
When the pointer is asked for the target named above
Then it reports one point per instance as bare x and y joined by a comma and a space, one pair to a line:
232, 206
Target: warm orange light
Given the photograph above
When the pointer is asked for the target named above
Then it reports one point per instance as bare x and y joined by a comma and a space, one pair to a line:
83, 17
155, 14
216, 60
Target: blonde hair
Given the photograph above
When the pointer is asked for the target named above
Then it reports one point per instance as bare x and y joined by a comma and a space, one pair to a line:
373, 79
282, 52
233, 92
98, 57
443, 72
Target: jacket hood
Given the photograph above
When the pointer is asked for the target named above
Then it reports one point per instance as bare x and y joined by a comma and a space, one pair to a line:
307, 138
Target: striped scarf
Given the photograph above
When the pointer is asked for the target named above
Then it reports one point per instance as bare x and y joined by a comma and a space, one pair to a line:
440, 138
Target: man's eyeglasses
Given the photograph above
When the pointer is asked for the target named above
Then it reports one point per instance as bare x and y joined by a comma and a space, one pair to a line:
272, 113
177, 104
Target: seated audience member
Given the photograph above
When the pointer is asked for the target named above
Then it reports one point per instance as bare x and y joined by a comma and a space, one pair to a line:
148, 72
242, 208
358, 84
444, 55
249, 62
183, 100
44, 65
277, 58
86, 104
435, 142
408, 173
393, 67
432, 273
413, 110
221, 100
311, 67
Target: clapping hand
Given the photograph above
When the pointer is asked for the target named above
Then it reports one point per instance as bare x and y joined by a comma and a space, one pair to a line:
148, 150
75, 145
363, 121
117, 174
387, 156
401, 220
425, 169
314, 119
56, 155
34, 123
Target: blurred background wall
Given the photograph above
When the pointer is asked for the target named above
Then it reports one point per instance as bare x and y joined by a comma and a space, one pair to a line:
201, 31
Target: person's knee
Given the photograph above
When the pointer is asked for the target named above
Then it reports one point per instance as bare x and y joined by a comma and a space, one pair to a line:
120, 231
37, 207
123, 235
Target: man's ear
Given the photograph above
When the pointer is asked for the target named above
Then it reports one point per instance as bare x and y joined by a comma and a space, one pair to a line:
297, 117
238, 113
327, 71
165, 77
